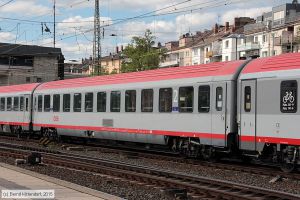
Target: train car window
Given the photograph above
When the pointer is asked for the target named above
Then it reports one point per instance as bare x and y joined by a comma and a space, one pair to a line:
219, 98
165, 100
35, 103
56, 103
115, 101
130, 101
21, 103
288, 96
2, 104
26, 104
247, 99
204, 99
77, 102
186, 99
9, 104
147, 100
88, 102
46, 103
40, 103
101, 102
16, 104
66, 102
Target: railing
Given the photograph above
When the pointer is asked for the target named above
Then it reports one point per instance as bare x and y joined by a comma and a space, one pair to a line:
169, 63
248, 46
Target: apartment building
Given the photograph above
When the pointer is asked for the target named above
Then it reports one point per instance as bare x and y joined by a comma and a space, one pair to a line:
274, 33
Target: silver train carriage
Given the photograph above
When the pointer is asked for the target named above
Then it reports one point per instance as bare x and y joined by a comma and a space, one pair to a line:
248, 107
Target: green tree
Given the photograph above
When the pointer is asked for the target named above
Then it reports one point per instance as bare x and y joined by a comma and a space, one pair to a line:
97, 71
141, 54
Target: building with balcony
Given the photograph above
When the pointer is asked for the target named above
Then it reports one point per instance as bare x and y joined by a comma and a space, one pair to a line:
274, 32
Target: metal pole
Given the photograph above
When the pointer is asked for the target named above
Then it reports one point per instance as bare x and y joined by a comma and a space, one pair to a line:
97, 37
54, 23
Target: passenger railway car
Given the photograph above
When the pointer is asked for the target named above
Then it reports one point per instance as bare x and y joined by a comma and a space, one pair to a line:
245, 108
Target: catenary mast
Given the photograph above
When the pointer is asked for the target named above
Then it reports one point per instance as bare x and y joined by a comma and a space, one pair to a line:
96, 41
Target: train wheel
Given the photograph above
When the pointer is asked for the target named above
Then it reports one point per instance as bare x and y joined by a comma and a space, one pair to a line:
208, 154
287, 167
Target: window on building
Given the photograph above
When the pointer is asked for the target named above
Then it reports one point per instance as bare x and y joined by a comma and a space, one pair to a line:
115, 101
165, 100
101, 102
264, 38
130, 101
255, 39
77, 102
66, 102
219, 98
2, 104
40, 103
226, 58
9, 104
16, 104
247, 99
186, 99
147, 100
56, 103
27, 79
195, 52
47, 103
288, 96
88, 102
38, 80
278, 15
204, 99
21, 103
264, 54
226, 44
187, 53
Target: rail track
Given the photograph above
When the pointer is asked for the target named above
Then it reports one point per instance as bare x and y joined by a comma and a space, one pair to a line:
166, 156
180, 185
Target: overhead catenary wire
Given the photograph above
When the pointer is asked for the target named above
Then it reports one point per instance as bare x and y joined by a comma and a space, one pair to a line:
145, 15
6, 3
139, 16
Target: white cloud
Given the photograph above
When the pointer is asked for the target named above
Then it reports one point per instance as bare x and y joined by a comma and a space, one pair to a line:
252, 12
194, 21
6, 36
78, 23
162, 30
25, 8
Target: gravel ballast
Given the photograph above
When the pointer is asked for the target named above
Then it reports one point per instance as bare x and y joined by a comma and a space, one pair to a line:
285, 185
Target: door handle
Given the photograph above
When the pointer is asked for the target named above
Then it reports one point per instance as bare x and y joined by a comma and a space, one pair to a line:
222, 117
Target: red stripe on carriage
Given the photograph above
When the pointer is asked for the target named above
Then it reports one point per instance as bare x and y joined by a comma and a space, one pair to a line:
244, 138
15, 123
276, 140
216, 136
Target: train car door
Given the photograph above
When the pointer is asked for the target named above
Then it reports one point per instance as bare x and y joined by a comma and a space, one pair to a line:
26, 109
248, 114
219, 114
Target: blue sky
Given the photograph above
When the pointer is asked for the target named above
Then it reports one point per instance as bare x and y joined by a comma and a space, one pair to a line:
20, 20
